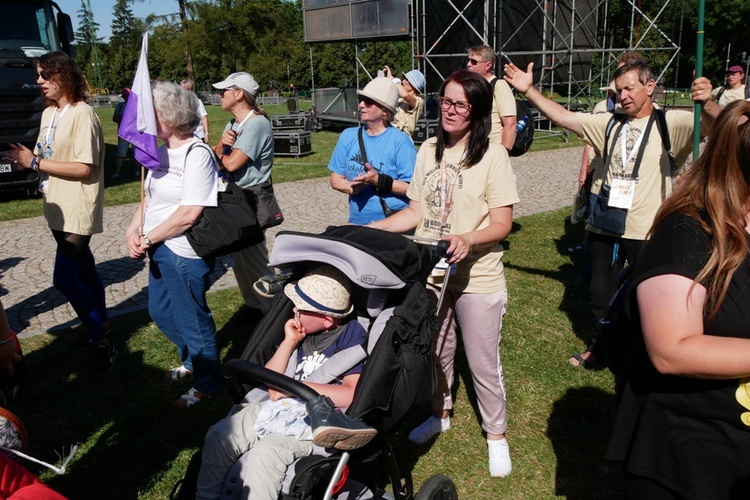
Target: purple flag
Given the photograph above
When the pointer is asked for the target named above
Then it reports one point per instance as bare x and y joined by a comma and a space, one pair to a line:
138, 125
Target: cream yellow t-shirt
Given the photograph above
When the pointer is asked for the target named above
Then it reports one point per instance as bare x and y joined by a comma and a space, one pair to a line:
729, 95
654, 181
405, 118
503, 104
75, 205
475, 190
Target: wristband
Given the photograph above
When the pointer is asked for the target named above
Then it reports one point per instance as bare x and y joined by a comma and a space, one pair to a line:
35, 163
10, 337
385, 183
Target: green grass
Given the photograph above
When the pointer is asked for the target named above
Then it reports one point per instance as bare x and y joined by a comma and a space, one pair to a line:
17, 205
134, 445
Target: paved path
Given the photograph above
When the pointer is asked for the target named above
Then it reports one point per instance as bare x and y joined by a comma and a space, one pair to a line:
546, 180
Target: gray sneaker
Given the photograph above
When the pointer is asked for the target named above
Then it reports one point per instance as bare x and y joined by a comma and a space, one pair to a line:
332, 429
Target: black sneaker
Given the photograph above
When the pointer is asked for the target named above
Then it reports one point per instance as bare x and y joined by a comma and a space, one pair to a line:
84, 341
332, 429
104, 357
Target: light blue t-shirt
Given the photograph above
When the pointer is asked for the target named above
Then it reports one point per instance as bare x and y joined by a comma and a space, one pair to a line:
255, 139
391, 152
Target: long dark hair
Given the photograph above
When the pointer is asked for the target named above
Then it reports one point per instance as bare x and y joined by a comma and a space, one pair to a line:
58, 66
715, 192
479, 94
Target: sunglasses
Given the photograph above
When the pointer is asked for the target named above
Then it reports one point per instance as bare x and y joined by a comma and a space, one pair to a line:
367, 101
462, 108
226, 90
43, 75
474, 62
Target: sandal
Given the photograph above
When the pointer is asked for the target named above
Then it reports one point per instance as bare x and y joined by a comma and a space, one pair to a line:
176, 374
588, 362
190, 398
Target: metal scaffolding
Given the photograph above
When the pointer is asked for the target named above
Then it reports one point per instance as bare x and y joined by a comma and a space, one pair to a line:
561, 37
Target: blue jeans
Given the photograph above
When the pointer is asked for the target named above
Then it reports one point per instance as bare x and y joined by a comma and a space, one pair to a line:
177, 289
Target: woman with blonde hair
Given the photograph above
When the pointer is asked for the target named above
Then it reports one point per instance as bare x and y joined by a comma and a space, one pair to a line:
683, 425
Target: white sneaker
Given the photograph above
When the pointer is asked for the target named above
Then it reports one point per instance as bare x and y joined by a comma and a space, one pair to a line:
500, 465
429, 429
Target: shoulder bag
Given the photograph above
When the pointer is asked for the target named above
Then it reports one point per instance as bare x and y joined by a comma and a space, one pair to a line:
229, 226
262, 200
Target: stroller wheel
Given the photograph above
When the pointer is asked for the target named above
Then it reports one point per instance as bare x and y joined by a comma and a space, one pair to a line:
439, 487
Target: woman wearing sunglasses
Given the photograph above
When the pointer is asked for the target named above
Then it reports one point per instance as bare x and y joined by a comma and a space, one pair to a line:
69, 156
376, 178
463, 192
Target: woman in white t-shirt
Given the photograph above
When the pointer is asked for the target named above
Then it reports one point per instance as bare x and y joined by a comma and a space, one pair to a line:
176, 193
69, 156
463, 192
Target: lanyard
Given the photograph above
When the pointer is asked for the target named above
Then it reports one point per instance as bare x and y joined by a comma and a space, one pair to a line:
446, 194
48, 137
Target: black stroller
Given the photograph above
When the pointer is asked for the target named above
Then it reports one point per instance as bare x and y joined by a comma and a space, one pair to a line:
388, 272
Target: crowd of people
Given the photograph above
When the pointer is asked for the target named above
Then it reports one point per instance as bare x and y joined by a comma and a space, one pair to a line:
682, 425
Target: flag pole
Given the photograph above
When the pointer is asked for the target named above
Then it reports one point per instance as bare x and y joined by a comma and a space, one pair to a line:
698, 74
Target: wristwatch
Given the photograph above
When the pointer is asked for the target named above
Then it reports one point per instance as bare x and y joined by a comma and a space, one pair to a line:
146, 240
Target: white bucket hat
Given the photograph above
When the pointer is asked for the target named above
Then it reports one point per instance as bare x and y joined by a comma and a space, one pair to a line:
241, 80
383, 91
324, 290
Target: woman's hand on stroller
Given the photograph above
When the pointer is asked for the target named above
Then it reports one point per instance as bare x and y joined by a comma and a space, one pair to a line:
459, 247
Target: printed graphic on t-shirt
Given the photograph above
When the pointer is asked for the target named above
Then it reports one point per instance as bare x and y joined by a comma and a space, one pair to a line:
441, 183
743, 398
620, 170
309, 364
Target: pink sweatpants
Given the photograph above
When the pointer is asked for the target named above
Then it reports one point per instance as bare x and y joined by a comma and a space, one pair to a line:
480, 316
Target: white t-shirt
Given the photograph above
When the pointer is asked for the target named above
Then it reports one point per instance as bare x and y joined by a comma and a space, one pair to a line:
200, 132
176, 182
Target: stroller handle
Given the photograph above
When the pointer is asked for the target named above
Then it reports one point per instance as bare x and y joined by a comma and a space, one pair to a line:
247, 371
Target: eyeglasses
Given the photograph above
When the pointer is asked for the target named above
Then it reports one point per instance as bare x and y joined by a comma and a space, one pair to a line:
462, 108
474, 62
43, 75
366, 101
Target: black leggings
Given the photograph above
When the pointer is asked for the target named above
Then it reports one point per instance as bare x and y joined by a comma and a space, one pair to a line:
75, 276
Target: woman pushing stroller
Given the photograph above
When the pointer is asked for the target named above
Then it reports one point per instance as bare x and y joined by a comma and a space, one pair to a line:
463, 191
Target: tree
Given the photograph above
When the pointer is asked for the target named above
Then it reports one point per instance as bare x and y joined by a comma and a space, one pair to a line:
124, 47
86, 38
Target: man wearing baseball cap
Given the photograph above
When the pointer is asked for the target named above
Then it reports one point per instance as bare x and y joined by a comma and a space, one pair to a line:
410, 103
734, 90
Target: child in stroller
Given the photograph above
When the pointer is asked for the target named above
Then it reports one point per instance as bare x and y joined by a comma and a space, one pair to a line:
387, 272
275, 430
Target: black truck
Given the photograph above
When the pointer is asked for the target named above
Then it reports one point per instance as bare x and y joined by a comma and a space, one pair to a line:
30, 29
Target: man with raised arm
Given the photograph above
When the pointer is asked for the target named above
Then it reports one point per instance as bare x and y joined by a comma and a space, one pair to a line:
637, 175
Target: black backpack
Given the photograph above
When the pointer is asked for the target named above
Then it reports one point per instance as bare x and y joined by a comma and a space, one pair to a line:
524, 126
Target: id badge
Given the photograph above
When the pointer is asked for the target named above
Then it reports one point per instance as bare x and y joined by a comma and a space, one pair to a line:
621, 193
442, 267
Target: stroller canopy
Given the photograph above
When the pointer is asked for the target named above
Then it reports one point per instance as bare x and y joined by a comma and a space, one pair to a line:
369, 257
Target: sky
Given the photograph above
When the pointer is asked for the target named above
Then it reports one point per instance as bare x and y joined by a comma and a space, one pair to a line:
102, 10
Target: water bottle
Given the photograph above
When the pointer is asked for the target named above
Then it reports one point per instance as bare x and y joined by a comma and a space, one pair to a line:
521, 124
